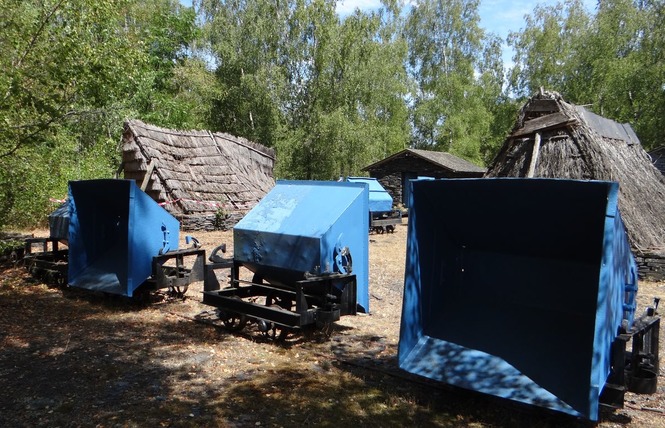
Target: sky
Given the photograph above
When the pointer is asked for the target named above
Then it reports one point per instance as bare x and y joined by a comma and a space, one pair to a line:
496, 16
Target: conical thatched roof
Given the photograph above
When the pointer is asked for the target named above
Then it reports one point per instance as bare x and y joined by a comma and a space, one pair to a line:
204, 179
577, 144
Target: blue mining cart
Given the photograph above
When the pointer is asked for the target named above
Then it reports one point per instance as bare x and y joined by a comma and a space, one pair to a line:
120, 240
306, 246
523, 289
383, 218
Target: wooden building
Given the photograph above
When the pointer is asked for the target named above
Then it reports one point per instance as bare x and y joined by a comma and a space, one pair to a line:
556, 139
394, 171
206, 180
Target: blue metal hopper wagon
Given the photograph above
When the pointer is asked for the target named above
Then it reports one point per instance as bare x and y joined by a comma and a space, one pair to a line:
523, 289
306, 246
120, 240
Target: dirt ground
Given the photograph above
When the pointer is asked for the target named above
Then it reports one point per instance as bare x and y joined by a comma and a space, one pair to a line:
70, 358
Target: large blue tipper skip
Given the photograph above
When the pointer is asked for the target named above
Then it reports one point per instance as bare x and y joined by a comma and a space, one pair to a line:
517, 288
302, 227
115, 230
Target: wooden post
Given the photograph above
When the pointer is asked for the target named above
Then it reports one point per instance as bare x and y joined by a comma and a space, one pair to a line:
148, 174
121, 168
534, 156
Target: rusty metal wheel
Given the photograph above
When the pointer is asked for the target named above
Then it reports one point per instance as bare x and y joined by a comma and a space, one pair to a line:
269, 329
273, 331
233, 321
177, 292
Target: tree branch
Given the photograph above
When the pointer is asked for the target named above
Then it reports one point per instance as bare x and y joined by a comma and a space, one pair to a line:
33, 41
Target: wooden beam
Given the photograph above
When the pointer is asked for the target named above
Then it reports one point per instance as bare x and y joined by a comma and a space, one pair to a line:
148, 174
534, 156
550, 121
120, 169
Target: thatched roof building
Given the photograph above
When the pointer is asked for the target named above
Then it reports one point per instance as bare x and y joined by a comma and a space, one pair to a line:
555, 139
206, 180
396, 170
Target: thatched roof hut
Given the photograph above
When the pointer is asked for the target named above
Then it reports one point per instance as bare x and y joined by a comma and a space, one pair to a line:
555, 139
206, 180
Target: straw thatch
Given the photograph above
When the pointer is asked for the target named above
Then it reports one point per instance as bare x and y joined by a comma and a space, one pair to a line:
658, 158
555, 139
206, 180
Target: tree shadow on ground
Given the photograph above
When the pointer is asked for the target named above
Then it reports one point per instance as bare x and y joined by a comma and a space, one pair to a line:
87, 361
371, 354
80, 360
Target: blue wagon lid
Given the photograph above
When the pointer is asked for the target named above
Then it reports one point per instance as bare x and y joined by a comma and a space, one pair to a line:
287, 209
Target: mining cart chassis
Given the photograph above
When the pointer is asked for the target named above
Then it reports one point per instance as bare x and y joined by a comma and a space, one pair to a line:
49, 263
316, 300
635, 370
170, 271
44, 260
385, 221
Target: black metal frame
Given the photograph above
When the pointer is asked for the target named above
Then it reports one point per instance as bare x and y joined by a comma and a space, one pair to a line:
635, 370
49, 263
384, 221
44, 260
180, 276
313, 300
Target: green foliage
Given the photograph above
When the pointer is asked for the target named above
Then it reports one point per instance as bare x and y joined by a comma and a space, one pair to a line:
7, 246
549, 47
61, 59
72, 72
65, 64
165, 28
611, 61
220, 218
35, 175
175, 89
195, 88
327, 94
459, 77
331, 95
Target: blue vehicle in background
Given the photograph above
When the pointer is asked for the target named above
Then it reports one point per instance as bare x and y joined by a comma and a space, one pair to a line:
383, 218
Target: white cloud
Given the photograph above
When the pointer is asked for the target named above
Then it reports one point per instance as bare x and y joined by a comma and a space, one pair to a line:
347, 7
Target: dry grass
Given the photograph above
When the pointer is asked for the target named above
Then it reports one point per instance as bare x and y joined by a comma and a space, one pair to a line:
70, 359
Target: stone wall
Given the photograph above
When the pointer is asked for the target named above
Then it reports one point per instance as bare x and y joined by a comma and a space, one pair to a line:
393, 185
651, 266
